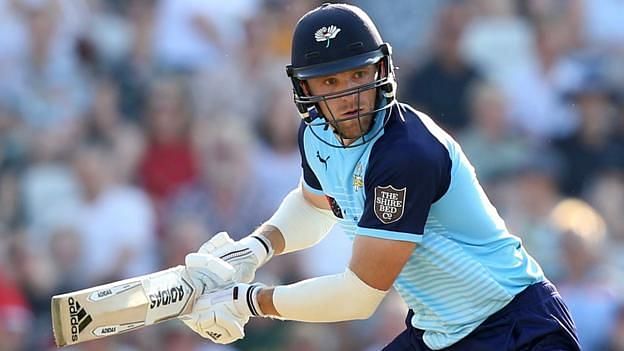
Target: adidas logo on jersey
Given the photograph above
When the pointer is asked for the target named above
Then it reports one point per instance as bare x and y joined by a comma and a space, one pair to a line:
78, 318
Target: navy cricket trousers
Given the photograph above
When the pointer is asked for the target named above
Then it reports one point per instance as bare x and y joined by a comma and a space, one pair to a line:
536, 319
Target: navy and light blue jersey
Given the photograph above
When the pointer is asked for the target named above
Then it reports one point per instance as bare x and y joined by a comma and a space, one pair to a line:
412, 182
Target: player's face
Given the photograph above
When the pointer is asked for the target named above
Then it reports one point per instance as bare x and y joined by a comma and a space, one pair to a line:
344, 113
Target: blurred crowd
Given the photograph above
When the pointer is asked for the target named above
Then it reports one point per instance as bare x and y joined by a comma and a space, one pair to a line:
133, 130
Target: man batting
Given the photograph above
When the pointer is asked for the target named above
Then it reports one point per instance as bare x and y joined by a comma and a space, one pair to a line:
405, 193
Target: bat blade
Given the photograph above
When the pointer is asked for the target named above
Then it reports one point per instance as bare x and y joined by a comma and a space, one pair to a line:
121, 306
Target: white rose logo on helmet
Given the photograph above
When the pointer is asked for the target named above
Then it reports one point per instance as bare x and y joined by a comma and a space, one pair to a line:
326, 33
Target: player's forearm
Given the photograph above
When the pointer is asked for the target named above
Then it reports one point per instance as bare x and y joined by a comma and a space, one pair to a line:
299, 223
331, 298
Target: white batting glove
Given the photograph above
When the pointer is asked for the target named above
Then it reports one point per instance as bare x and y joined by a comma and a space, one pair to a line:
221, 316
245, 255
208, 273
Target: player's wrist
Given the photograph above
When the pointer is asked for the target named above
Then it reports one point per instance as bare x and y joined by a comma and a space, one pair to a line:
245, 297
260, 247
265, 302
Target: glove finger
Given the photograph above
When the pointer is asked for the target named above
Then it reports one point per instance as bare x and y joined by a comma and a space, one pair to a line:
218, 326
218, 241
208, 327
230, 324
192, 321
215, 265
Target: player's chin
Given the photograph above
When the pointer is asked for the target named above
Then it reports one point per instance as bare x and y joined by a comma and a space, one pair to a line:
352, 128
351, 133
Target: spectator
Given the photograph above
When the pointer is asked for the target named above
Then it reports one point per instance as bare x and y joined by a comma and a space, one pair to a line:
50, 191
181, 236
196, 33
606, 194
406, 24
225, 194
277, 157
586, 290
497, 39
115, 220
15, 315
493, 148
134, 71
440, 87
103, 118
169, 160
10, 199
535, 89
594, 146
51, 90
37, 278
64, 251
616, 337
533, 193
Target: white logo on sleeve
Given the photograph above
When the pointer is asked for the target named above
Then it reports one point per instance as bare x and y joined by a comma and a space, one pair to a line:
389, 203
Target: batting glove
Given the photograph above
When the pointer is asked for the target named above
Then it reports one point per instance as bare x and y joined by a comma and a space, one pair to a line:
245, 255
221, 316
208, 273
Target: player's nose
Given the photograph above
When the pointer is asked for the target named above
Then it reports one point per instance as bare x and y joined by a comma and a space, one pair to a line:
352, 98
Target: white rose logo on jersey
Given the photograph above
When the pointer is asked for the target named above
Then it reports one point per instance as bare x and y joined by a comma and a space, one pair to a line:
389, 203
358, 181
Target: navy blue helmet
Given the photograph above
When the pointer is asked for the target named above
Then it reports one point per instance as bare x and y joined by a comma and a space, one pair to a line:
334, 38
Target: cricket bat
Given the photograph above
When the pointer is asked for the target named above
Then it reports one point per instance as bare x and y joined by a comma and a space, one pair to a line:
127, 305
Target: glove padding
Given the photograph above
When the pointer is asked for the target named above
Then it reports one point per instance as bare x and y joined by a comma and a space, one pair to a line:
221, 316
208, 273
245, 255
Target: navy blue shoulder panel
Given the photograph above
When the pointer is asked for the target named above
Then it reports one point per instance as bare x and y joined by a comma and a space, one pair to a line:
308, 175
408, 170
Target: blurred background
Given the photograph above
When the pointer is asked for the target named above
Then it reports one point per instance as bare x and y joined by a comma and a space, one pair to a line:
133, 130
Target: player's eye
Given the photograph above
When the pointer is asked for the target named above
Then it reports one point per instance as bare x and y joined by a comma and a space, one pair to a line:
330, 81
360, 74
